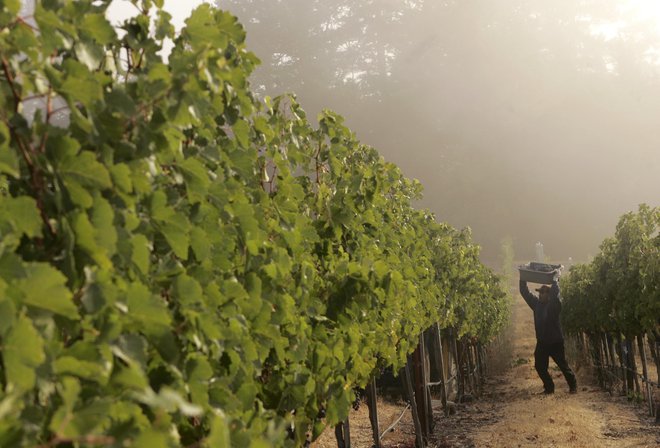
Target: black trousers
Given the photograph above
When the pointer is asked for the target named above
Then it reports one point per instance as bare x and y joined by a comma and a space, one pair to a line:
542, 356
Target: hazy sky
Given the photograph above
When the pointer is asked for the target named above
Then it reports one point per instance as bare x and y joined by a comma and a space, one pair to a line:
532, 119
180, 10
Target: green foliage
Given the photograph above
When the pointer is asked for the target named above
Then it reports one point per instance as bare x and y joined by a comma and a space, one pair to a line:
507, 258
184, 264
619, 291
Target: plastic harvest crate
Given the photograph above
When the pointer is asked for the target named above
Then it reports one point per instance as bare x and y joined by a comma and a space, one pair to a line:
538, 272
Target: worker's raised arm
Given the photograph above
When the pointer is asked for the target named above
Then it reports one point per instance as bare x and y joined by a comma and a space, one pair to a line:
554, 289
554, 300
530, 298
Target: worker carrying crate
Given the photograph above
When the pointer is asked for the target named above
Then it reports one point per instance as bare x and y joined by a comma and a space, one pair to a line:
546, 307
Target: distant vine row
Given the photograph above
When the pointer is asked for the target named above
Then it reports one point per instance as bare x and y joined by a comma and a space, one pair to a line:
612, 305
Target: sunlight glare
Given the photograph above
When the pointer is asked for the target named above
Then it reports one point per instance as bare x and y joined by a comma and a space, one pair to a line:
635, 18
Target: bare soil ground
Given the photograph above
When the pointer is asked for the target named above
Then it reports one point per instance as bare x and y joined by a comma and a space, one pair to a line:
402, 436
512, 413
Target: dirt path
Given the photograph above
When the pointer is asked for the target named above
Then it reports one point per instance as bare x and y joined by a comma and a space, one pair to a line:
513, 414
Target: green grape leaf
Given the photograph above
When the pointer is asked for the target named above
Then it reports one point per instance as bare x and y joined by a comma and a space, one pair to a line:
78, 194
199, 241
151, 438
121, 177
86, 419
22, 214
150, 316
45, 287
102, 219
140, 252
22, 353
98, 27
220, 435
90, 54
8, 159
146, 310
242, 133
12, 6
201, 30
175, 229
197, 179
80, 85
86, 239
199, 373
188, 290
85, 170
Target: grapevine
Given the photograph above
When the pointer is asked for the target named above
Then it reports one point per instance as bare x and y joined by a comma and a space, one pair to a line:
185, 264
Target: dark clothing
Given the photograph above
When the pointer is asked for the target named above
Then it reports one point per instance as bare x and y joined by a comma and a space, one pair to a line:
549, 337
546, 315
542, 356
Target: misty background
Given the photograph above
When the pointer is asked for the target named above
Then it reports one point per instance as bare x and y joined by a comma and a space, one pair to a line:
534, 120
527, 120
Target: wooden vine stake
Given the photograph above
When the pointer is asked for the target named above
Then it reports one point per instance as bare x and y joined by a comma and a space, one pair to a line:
645, 372
372, 403
632, 364
420, 384
440, 366
459, 368
410, 392
622, 364
472, 374
604, 362
343, 434
612, 357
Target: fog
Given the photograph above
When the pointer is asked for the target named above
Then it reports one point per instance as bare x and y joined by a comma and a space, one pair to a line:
523, 119
536, 120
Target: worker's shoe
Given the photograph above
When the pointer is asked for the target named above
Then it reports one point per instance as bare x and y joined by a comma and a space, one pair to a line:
572, 390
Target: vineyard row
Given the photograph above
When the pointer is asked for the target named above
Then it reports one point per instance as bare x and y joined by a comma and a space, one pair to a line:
183, 263
612, 307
